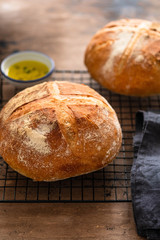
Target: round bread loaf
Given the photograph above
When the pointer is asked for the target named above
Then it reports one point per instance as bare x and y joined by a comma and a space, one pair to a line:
56, 130
124, 57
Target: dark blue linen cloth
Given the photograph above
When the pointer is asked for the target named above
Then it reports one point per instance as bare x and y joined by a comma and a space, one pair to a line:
145, 175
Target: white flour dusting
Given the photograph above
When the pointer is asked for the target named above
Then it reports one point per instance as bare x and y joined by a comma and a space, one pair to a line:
44, 128
36, 140
139, 58
33, 138
21, 157
118, 47
99, 148
123, 40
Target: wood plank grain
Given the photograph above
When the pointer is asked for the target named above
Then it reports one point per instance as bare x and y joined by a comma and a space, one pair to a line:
62, 29
67, 221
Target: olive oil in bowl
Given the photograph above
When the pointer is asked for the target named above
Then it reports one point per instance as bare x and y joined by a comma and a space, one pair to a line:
27, 70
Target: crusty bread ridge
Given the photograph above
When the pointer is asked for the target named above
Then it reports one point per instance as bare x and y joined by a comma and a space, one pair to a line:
124, 57
56, 130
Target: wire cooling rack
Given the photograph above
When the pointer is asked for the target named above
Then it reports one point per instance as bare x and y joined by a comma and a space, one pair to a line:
111, 184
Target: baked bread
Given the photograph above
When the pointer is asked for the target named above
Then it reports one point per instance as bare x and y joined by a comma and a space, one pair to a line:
124, 57
56, 130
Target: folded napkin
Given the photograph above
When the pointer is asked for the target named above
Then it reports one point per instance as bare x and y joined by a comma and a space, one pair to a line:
145, 175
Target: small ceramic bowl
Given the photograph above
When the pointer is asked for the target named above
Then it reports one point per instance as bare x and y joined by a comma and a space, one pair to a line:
23, 56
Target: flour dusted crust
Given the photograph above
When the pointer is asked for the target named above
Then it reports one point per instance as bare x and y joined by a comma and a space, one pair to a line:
124, 57
56, 130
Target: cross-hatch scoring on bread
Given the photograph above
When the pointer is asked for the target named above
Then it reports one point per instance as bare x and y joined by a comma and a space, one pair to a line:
124, 57
56, 130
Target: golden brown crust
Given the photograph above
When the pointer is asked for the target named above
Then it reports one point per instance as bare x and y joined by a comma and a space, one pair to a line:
124, 57
57, 130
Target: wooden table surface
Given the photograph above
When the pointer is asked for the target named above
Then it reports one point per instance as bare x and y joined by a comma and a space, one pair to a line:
62, 29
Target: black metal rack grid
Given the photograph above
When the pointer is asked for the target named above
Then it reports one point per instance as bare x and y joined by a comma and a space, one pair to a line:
111, 184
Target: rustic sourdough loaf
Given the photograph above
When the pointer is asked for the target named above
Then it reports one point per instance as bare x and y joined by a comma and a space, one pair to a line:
56, 130
124, 57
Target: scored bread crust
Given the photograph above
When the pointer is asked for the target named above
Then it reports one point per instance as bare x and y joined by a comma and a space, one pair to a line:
124, 57
56, 130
